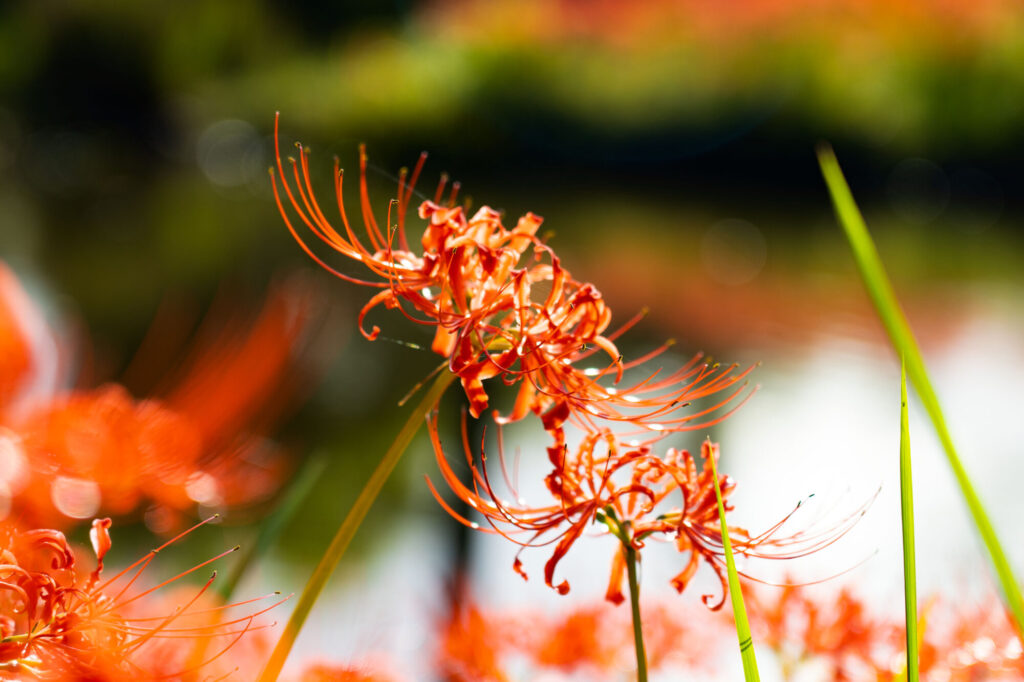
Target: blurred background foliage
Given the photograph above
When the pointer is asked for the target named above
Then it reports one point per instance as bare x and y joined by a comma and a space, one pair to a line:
668, 143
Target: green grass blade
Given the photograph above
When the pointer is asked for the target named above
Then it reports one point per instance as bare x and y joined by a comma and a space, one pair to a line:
350, 525
270, 529
907, 512
884, 299
735, 593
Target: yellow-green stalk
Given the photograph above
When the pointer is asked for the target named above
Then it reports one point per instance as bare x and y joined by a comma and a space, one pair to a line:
739, 611
888, 308
350, 525
907, 513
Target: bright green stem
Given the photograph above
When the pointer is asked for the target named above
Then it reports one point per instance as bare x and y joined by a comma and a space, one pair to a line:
907, 508
739, 611
882, 295
634, 603
350, 525
270, 530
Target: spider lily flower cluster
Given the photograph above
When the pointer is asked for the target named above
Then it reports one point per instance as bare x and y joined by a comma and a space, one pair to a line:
60, 622
502, 306
200, 441
630, 489
466, 284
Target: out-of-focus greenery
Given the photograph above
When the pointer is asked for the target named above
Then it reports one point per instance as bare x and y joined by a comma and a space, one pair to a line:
916, 76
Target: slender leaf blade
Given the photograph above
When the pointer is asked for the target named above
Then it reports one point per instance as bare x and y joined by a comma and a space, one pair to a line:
739, 611
907, 513
347, 530
879, 288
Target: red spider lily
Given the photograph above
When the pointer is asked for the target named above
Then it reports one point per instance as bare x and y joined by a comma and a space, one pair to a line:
78, 453
475, 283
582, 638
590, 640
202, 645
329, 672
242, 374
963, 644
472, 645
16, 355
840, 635
101, 448
838, 632
628, 488
57, 623
239, 381
695, 525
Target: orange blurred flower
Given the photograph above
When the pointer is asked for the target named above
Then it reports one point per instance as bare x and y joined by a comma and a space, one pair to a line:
589, 640
330, 672
57, 622
476, 283
78, 453
839, 635
964, 644
101, 449
836, 631
582, 638
28, 354
472, 645
243, 373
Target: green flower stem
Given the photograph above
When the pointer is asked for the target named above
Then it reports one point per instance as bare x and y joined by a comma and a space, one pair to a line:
884, 299
634, 602
621, 530
739, 611
351, 524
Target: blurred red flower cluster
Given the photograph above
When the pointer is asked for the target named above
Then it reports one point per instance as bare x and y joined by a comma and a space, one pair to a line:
841, 637
70, 454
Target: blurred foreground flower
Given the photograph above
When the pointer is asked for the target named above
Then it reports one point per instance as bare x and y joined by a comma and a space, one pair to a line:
58, 622
28, 353
70, 455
